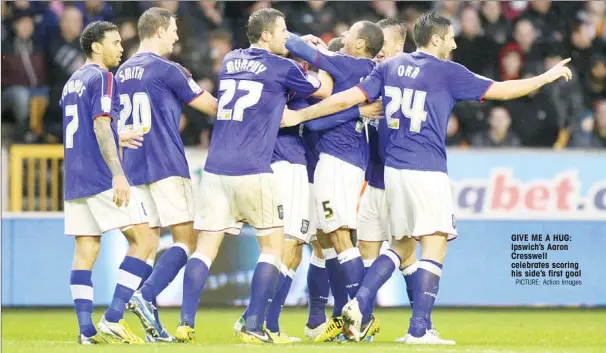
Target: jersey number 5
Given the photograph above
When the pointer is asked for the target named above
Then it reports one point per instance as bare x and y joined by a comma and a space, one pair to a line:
412, 104
140, 108
229, 87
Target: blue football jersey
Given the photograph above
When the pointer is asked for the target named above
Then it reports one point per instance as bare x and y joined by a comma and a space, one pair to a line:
347, 141
289, 145
312, 156
376, 164
152, 92
253, 91
89, 93
419, 91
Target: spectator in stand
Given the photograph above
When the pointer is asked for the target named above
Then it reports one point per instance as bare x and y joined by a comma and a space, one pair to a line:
495, 24
63, 59
23, 70
535, 117
474, 50
313, 17
129, 36
410, 15
207, 16
592, 133
567, 95
525, 37
582, 46
511, 62
450, 10
454, 135
94, 10
594, 83
595, 14
546, 20
498, 134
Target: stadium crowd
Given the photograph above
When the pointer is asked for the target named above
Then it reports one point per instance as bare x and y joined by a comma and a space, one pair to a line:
500, 40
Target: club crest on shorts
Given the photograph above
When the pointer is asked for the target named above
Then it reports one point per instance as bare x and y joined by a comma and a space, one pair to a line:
281, 212
454, 222
304, 226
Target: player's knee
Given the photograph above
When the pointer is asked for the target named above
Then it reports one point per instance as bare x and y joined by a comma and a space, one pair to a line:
293, 252
410, 260
341, 239
369, 249
140, 239
433, 247
324, 240
184, 233
154, 242
404, 247
209, 243
316, 249
87, 250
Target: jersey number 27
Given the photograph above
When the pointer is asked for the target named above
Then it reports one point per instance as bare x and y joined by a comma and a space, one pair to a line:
229, 87
412, 104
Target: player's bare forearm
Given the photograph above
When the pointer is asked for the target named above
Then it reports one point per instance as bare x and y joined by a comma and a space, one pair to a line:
107, 144
513, 89
326, 87
518, 88
205, 103
333, 104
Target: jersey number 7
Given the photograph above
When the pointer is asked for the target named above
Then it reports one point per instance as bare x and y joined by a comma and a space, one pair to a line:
412, 104
229, 87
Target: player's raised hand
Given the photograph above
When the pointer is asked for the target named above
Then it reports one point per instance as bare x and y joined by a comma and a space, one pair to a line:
121, 190
559, 70
131, 138
372, 110
290, 118
311, 39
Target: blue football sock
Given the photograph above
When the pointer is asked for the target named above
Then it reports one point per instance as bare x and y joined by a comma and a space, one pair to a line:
336, 281
81, 286
319, 289
130, 275
379, 273
367, 264
352, 268
167, 268
272, 319
409, 277
427, 283
262, 289
194, 279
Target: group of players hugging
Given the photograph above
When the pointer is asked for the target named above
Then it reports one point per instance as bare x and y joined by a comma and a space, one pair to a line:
301, 129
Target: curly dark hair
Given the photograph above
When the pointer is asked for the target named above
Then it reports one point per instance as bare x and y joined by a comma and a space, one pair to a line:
95, 33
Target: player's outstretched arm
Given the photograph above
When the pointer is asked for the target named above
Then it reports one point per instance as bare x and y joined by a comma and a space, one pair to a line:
205, 103
326, 85
517, 88
330, 105
109, 151
372, 110
323, 60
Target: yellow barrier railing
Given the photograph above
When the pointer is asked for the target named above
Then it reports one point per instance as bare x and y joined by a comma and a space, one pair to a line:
29, 167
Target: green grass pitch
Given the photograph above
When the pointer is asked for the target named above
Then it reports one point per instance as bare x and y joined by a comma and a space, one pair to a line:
483, 330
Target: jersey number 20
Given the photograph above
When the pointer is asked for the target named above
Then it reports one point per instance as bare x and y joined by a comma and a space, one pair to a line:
140, 108
253, 89
412, 104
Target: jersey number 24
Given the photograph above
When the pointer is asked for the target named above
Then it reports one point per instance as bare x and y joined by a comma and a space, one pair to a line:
410, 102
